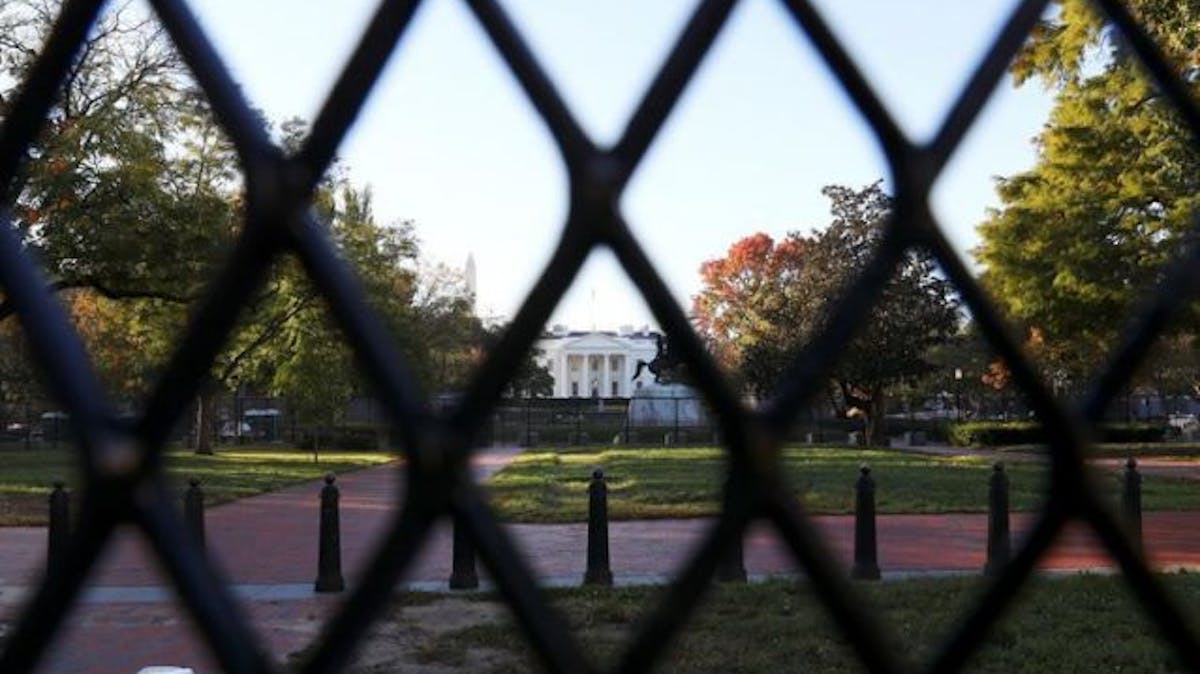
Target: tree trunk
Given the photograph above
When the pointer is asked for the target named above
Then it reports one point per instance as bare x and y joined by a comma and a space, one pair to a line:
204, 421
876, 430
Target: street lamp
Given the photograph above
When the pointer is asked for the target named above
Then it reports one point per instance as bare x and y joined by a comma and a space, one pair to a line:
958, 393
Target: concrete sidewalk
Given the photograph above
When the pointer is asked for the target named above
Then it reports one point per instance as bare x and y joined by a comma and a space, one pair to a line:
267, 548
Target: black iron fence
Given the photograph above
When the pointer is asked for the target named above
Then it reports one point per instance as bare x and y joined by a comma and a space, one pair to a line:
362, 423
121, 459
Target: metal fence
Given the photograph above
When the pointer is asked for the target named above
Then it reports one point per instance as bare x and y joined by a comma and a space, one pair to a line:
121, 459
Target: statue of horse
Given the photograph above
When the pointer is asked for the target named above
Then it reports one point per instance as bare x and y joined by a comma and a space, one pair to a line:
662, 366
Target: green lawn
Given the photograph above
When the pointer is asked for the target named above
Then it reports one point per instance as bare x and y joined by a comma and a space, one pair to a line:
551, 485
1119, 450
26, 475
1075, 624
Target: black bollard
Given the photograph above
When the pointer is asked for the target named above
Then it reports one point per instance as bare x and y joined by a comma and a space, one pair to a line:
59, 530
999, 546
1131, 502
599, 572
732, 567
329, 553
193, 509
866, 560
463, 575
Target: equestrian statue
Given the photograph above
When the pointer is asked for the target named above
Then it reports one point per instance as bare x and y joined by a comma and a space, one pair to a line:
665, 366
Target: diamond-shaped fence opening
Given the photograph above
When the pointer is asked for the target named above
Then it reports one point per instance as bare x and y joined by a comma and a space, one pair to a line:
123, 481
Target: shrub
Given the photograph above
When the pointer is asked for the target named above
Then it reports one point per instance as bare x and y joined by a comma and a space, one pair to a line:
1132, 433
997, 433
994, 433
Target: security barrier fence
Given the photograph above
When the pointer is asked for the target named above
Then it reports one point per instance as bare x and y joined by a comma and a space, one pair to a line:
122, 461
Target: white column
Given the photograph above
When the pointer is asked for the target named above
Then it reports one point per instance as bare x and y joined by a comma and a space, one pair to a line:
604, 376
585, 386
562, 376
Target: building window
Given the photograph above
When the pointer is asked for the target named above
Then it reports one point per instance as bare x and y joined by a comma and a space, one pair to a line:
575, 389
613, 393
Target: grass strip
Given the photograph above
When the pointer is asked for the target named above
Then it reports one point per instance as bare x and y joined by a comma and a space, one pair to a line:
550, 485
229, 474
1075, 624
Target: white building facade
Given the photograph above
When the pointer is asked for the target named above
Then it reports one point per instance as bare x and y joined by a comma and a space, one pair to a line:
597, 364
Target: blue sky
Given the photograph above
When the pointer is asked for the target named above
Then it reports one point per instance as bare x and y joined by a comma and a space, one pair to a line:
449, 141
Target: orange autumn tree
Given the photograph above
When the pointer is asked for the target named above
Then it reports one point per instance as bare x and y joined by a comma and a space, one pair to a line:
744, 304
765, 299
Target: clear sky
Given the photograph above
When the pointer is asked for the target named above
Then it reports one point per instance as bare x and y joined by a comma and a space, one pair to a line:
449, 140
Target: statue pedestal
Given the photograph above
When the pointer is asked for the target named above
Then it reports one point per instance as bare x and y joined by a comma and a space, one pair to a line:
666, 405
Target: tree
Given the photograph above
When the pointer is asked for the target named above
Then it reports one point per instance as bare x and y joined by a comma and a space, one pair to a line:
963, 367
452, 335
532, 379
1086, 232
319, 376
128, 195
291, 347
131, 196
127, 339
125, 192
745, 302
456, 341
762, 302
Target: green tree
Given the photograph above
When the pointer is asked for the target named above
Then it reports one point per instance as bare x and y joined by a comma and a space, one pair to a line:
131, 195
451, 335
532, 379
962, 367
1086, 232
764, 301
126, 191
290, 346
747, 304
318, 378
128, 195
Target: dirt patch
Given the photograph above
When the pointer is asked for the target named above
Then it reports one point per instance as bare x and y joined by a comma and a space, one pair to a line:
417, 638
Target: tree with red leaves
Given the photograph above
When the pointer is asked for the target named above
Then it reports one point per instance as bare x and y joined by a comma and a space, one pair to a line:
765, 299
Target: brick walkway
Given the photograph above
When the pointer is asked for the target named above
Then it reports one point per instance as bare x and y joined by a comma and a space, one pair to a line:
267, 547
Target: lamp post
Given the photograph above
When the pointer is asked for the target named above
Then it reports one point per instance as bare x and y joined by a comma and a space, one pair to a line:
958, 393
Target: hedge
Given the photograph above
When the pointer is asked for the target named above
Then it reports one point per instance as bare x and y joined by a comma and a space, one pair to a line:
998, 433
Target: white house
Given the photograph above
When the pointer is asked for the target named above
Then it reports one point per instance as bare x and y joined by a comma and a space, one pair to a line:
597, 364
